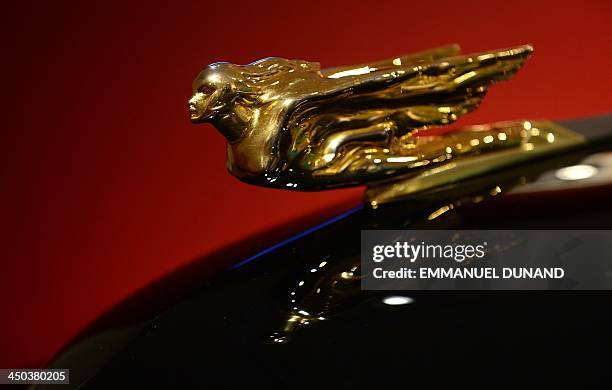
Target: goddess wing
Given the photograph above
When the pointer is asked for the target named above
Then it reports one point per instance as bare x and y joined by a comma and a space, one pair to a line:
392, 101
451, 87
430, 92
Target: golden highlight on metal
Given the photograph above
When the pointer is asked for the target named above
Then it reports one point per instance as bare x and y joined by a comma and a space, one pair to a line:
290, 124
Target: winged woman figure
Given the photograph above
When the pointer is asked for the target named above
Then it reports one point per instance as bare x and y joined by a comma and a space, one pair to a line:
291, 124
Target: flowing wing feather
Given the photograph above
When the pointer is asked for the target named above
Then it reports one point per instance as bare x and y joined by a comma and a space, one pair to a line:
390, 103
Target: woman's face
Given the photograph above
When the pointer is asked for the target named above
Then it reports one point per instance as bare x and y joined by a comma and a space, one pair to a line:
209, 94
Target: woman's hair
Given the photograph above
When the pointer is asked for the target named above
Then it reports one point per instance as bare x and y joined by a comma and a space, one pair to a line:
260, 76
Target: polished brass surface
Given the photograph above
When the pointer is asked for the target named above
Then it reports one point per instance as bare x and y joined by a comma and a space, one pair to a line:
473, 151
291, 125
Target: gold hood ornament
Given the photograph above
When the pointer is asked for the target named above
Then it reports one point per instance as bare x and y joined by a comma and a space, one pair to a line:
290, 124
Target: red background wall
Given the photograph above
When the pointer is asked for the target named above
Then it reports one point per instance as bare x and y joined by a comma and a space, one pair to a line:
106, 186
